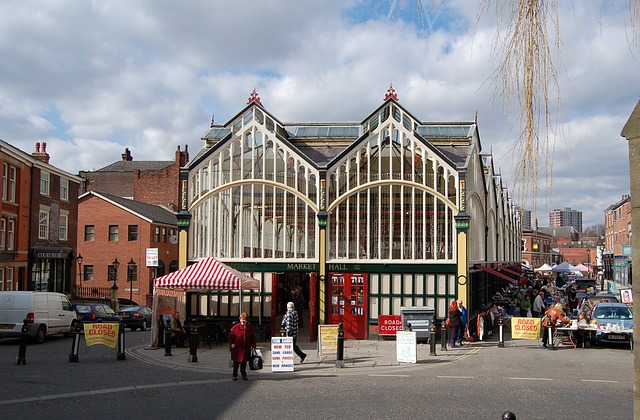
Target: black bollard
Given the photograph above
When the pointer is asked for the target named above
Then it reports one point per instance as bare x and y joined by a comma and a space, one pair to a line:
75, 346
22, 351
160, 331
121, 355
167, 340
443, 335
432, 340
501, 332
194, 337
340, 354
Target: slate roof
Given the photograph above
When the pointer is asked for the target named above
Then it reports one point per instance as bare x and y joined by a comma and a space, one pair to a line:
154, 213
141, 165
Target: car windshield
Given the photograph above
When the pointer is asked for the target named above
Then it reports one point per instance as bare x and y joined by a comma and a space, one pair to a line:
616, 312
131, 309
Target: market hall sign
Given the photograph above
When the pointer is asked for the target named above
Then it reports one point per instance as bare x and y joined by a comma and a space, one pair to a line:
302, 267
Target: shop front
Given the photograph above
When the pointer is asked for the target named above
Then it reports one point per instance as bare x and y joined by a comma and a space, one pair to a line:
51, 270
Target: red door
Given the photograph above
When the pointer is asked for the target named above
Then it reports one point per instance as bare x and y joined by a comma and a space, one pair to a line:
348, 303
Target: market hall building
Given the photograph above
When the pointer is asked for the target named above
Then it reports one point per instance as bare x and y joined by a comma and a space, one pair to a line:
365, 217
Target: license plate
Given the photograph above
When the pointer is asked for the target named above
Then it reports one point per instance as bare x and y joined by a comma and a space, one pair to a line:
617, 337
6, 327
124, 316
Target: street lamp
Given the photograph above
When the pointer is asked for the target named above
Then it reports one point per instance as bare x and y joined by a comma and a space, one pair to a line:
130, 266
114, 289
589, 258
79, 259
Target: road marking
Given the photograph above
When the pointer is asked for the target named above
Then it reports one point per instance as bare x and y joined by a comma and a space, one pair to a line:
600, 380
532, 379
456, 377
399, 376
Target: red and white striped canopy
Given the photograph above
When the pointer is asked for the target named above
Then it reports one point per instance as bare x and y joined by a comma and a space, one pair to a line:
208, 274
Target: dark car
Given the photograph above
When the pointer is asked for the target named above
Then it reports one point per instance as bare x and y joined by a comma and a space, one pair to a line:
588, 302
135, 317
95, 312
614, 317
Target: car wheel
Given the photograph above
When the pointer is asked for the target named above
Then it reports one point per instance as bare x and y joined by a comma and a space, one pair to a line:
144, 325
40, 335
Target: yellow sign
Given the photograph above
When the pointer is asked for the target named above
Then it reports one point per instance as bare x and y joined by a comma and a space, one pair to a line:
104, 333
328, 339
527, 328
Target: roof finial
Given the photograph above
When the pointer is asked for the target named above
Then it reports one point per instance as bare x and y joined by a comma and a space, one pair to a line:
254, 97
391, 93
212, 119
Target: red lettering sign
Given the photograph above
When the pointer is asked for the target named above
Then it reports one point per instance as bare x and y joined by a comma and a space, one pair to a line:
389, 324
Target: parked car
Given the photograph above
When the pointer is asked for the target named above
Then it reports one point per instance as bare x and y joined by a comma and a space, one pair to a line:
135, 317
611, 315
46, 313
96, 312
587, 303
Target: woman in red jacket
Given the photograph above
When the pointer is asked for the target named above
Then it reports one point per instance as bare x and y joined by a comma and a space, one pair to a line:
454, 322
242, 340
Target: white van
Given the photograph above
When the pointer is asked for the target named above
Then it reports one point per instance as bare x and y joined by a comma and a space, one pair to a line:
46, 313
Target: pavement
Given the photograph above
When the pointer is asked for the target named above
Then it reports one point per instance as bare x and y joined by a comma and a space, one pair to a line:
360, 356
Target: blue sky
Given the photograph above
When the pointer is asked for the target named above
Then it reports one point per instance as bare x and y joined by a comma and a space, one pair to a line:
91, 78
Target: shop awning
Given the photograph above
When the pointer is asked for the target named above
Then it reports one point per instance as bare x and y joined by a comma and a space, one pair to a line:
494, 272
208, 274
499, 267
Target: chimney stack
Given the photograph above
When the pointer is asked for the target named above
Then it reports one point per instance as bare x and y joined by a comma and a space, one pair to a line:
42, 156
126, 156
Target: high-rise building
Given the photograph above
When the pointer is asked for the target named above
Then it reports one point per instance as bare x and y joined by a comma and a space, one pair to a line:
566, 217
526, 219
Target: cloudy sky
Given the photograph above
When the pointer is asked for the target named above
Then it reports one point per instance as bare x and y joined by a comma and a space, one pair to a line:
90, 78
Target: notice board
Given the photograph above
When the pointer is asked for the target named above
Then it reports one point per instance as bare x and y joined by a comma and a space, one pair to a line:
327, 339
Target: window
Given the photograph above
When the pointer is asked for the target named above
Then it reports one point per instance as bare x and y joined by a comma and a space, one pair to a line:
132, 273
64, 189
133, 232
64, 227
2, 280
13, 175
11, 230
5, 181
157, 234
43, 227
89, 233
164, 234
9, 183
113, 233
3, 234
44, 183
8, 280
88, 273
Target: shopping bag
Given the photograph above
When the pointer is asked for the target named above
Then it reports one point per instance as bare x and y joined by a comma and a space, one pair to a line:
255, 361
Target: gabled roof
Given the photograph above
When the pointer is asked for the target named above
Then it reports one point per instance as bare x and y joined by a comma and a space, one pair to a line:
133, 165
558, 231
148, 212
32, 161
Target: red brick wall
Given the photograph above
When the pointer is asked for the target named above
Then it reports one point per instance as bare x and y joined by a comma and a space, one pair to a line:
101, 252
160, 188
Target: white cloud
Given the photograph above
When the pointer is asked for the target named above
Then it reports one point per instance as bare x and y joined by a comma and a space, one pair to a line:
91, 78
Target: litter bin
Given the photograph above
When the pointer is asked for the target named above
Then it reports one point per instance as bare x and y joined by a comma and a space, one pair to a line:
418, 319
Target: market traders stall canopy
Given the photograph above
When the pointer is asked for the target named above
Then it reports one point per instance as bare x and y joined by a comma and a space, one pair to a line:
207, 274
565, 267
544, 268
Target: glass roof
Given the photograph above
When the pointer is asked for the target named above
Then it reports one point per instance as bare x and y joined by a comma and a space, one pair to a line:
217, 133
445, 130
328, 131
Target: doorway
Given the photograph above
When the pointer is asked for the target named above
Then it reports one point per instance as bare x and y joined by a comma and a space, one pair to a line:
284, 286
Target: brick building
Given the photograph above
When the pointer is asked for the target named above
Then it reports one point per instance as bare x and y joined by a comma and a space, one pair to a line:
536, 248
39, 222
152, 182
617, 218
114, 228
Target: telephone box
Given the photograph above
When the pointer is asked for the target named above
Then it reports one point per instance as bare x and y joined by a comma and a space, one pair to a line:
348, 303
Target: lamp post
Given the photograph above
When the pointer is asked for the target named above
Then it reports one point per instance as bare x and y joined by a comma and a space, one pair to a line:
130, 266
589, 259
114, 288
79, 259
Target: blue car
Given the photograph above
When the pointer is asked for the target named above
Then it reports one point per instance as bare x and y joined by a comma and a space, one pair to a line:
614, 317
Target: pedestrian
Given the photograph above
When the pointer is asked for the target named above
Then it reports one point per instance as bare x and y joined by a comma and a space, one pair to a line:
299, 303
538, 305
526, 306
463, 322
454, 322
552, 315
290, 325
519, 299
177, 330
242, 339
